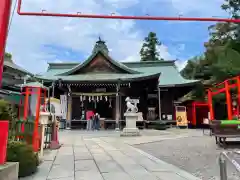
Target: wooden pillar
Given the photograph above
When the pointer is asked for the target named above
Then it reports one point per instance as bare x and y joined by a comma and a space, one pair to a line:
117, 106
228, 101
36, 137
26, 103
210, 105
69, 111
159, 103
5, 10
120, 107
53, 89
238, 95
194, 115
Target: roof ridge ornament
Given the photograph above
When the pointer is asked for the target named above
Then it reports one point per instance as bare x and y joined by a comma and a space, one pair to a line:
100, 46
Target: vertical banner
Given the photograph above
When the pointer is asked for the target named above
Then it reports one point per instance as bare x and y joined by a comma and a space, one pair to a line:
63, 102
181, 116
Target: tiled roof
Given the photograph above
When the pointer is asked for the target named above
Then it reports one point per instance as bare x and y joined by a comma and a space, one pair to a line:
34, 84
170, 75
85, 63
9, 63
101, 77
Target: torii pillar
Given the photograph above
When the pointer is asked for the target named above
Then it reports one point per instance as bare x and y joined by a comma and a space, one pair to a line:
5, 10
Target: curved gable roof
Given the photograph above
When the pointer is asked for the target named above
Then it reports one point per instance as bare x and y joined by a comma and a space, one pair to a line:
170, 76
121, 66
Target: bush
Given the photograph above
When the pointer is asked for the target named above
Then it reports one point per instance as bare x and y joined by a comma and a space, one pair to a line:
8, 112
21, 152
160, 125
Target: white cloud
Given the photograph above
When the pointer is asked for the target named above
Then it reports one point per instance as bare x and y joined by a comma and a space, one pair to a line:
202, 7
28, 34
181, 64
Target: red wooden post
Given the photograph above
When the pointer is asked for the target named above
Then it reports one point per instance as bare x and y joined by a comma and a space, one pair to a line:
3, 141
228, 101
210, 105
36, 123
194, 119
45, 96
5, 10
26, 106
26, 102
238, 95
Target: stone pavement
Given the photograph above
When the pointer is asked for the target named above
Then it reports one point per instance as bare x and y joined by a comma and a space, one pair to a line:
99, 156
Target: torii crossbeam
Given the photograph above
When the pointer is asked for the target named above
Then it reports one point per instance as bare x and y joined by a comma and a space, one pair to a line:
5, 9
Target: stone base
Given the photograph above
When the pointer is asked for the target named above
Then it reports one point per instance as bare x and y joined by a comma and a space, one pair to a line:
54, 145
130, 132
9, 171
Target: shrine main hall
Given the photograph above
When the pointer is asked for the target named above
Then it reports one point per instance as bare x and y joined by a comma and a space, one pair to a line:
102, 84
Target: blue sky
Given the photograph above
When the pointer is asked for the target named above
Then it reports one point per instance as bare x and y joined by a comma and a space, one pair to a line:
34, 41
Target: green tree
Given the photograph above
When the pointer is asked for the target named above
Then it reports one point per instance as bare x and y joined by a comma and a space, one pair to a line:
8, 55
149, 50
197, 68
221, 59
233, 7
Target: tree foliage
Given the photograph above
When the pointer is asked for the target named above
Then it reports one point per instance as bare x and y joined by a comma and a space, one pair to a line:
149, 50
8, 55
221, 58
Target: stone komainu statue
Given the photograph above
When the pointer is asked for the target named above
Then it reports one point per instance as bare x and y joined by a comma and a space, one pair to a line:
131, 107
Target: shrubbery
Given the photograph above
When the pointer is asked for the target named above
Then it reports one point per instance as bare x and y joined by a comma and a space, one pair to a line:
19, 151
23, 153
160, 125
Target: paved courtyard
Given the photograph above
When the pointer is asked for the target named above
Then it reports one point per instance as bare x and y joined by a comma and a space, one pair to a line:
106, 156
196, 154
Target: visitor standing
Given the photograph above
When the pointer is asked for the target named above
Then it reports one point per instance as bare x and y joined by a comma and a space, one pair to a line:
97, 121
89, 118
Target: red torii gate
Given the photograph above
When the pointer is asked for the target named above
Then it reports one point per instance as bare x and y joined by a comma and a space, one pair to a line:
228, 84
5, 10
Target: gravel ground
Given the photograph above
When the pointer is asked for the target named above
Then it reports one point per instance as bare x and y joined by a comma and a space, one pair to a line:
197, 155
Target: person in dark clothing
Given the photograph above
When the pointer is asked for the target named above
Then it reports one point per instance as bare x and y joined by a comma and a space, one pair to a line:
97, 121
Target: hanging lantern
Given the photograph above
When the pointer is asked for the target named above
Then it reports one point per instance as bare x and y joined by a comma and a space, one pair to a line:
84, 98
106, 98
81, 98
101, 98
89, 98
97, 98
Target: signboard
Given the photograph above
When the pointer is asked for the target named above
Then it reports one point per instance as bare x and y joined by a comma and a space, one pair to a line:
63, 102
181, 116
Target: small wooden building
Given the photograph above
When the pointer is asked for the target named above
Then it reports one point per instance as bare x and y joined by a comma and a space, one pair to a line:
101, 84
13, 77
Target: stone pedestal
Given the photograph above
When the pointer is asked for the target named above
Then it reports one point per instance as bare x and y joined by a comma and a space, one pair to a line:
131, 128
9, 171
44, 120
